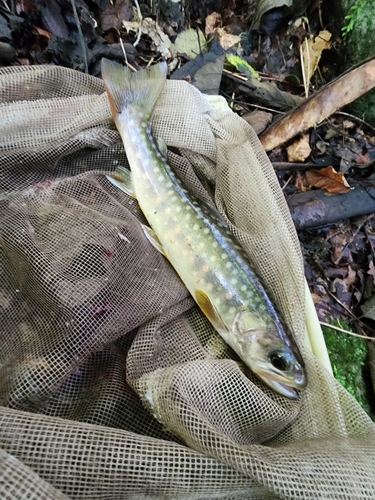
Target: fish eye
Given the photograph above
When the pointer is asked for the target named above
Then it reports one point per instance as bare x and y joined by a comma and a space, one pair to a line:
278, 361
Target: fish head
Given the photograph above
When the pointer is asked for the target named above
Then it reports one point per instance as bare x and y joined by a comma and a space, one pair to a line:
269, 353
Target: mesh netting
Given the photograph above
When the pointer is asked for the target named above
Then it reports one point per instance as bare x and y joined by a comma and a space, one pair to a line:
113, 385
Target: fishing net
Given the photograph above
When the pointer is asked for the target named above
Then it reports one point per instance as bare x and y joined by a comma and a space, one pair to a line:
112, 383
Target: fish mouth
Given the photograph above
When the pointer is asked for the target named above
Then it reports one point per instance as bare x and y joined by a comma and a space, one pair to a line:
284, 385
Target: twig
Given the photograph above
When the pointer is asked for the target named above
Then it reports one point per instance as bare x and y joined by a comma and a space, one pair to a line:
303, 68
139, 31
284, 165
353, 117
287, 182
126, 58
6, 5
246, 105
123, 50
235, 75
80, 34
346, 331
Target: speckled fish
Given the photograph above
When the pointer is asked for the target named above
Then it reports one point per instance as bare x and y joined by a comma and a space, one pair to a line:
196, 239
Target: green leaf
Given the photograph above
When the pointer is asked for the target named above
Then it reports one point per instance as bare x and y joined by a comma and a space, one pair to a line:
242, 66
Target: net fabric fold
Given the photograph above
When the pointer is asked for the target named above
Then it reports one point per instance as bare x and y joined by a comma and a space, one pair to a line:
112, 383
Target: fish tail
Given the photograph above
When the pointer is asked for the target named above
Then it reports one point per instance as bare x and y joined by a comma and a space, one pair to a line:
128, 90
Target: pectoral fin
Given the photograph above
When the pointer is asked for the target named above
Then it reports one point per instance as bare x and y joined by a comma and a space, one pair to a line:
122, 178
153, 239
209, 310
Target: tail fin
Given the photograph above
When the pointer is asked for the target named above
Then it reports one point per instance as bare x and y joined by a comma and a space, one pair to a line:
128, 90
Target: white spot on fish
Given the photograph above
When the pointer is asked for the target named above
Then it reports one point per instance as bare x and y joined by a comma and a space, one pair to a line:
233, 281
228, 265
232, 310
187, 216
155, 170
206, 230
160, 178
209, 287
224, 256
228, 296
169, 184
178, 209
195, 227
212, 258
214, 244
174, 198
243, 288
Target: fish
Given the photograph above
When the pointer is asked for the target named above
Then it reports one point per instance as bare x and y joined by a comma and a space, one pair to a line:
195, 238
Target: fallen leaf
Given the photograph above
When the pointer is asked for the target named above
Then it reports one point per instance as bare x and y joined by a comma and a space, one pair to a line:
300, 181
328, 179
371, 271
115, 13
190, 42
43, 32
321, 146
258, 119
242, 66
227, 40
350, 279
311, 51
346, 124
299, 150
150, 27
211, 21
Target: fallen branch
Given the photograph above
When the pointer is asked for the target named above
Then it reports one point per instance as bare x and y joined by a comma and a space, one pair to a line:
333, 96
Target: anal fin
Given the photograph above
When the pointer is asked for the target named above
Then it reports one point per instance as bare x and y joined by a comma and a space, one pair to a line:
153, 239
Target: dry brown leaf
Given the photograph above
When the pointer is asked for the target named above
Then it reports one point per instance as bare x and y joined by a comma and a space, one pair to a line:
328, 179
43, 32
258, 119
211, 21
311, 51
299, 150
300, 181
225, 39
115, 13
